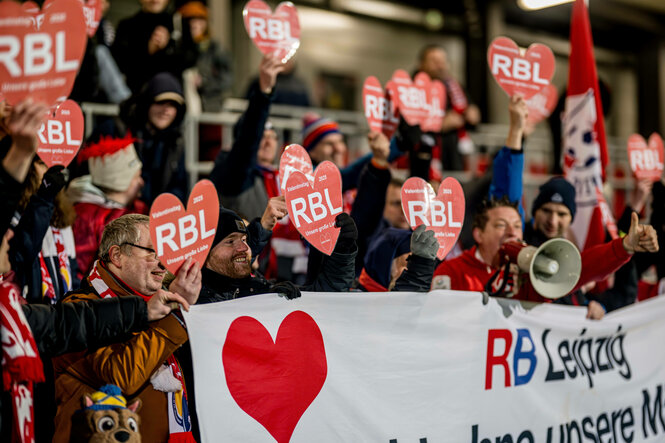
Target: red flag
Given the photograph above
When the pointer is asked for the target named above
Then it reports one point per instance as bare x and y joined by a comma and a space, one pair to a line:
584, 143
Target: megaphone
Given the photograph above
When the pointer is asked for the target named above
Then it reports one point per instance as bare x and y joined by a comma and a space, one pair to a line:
554, 268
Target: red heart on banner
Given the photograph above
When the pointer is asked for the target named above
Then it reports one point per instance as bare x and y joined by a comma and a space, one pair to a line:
313, 207
294, 158
442, 213
646, 161
520, 74
92, 11
542, 104
273, 33
47, 49
380, 110
411, 96
274, 382
61, 135
436, 97
177, 233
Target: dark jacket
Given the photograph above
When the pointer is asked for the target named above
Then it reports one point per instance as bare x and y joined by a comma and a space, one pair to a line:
336, 276
10, 191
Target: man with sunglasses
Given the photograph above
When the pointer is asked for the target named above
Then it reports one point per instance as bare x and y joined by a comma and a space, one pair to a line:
144, 366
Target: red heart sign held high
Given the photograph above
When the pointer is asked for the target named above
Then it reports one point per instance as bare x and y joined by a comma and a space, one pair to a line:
646, 161
380, 110
273, 33
442, 213
313, 207
294, 158
410, 96
274, 382
61, 135
436, 97
177, 233
40, 54
520, 74
92, 11
542, 104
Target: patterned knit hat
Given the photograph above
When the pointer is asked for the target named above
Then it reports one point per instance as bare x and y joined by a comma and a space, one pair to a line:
108, 397
315, 128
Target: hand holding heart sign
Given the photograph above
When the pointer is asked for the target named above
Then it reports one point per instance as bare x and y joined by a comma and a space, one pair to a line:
277, 33
520, 74
44, 50
442, 213
646, 161
178, 234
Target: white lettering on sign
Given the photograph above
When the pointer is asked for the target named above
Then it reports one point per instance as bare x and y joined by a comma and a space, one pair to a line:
438, 215
188, 230
521, 69
318, 210
270, 29
55, 135
412, 97
37, 54
644, 160
379, 108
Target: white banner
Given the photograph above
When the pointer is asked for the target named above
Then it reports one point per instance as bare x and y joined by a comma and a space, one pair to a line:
426, 367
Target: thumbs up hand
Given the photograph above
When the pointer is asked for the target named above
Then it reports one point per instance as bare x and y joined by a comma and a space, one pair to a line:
640, 238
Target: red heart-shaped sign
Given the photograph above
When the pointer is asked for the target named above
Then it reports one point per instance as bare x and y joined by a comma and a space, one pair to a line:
646, 161
380, 110
277, 33
313, 207
177, 233
436, 97
275, 382
442, 213
92, 11
520, 74
61, 135
294, 158
542, 104
41, 52
411, 96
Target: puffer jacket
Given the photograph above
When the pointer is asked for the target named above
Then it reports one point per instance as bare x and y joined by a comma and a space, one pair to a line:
128, 365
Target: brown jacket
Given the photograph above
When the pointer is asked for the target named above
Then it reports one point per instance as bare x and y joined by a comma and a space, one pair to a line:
128, 365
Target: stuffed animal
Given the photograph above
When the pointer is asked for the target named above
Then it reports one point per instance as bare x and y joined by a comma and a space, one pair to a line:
106, 418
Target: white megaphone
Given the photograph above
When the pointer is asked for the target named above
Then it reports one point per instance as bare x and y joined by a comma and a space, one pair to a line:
554, 268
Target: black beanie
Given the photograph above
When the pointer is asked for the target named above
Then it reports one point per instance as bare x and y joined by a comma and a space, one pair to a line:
556, 190
229, 222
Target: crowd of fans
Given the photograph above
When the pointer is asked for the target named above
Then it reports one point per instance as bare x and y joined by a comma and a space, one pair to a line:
81, 273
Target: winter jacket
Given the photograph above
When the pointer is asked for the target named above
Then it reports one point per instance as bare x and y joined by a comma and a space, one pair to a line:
336, 276
129, 365
507, 177
93, 212
214, 66
10, 192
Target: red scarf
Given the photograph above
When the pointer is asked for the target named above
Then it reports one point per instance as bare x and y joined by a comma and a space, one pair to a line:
369, 283
21, 365
64, 272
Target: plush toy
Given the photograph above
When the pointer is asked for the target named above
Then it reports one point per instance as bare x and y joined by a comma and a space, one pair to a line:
106, 418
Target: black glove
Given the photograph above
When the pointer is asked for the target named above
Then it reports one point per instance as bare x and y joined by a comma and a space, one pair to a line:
408, 136
286, 289
348, 234
52, 182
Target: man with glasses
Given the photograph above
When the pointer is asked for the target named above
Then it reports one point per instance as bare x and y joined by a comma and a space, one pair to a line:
143, 366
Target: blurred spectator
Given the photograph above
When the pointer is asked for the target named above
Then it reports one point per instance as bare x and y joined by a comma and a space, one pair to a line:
289, 90
154, 119
42, 250
213, 64
144, 45
108, 192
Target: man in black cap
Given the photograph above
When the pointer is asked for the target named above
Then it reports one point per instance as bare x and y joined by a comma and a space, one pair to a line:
553, 212
228, 273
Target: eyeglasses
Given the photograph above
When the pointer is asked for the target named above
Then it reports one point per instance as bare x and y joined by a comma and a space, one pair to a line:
154, 254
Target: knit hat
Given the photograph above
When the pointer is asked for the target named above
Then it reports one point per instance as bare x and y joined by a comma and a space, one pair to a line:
391, 243
193, 9
556, 190
112, 162
228, 223
315, 128
108, 397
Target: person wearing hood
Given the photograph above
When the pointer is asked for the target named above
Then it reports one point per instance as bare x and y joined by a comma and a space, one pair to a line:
400, 260
110, 191
227, 273
154, 119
